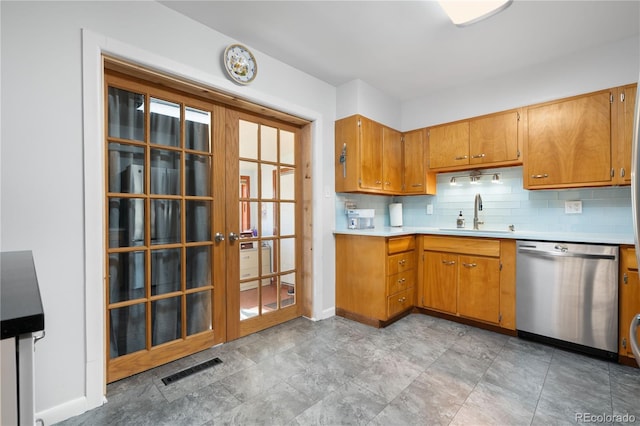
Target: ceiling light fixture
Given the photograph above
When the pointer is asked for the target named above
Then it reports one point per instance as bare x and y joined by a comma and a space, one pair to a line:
467, 12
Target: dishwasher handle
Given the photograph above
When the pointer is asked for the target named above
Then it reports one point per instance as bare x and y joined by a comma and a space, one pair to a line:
633, 337
565, 253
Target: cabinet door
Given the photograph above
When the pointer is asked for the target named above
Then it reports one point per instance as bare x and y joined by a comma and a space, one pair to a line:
347, 144
391, 160
449, 145
568, 143
370, 154
626, 104
441, 281
629, 307
417, 179
479, 285
494, 138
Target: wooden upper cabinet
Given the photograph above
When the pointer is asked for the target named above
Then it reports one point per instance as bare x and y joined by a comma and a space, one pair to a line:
370, 158
417, 178
624, 103
568, 143
370, 143
391, 160
495, 139
489, 140
358, 155
449, 145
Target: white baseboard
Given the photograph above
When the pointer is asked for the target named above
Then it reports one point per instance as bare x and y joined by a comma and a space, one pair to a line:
328, 313
61, 412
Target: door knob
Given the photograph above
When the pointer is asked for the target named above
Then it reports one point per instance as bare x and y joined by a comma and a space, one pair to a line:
233, 236
219, 237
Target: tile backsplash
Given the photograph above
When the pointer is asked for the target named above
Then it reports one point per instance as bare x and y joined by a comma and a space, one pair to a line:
604, 210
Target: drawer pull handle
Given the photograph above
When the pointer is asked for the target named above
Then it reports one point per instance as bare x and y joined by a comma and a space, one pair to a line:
470, 265
449, 262
416, 185
402, 262
400, 281
464, 157
478, 156
402, 299
542, 176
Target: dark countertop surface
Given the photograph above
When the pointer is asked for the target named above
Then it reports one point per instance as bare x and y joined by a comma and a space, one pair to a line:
20, 303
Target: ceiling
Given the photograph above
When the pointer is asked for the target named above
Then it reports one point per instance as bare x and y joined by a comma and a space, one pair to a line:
408, 49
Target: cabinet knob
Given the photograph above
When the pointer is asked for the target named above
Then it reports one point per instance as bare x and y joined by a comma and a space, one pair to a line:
402, 299
219, 237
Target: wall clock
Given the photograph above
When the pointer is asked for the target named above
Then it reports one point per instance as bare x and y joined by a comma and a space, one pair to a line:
240, 63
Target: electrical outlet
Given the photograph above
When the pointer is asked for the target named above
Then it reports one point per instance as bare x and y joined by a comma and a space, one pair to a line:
573, 207
429, 208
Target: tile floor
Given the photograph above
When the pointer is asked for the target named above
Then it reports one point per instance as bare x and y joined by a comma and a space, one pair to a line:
418, 371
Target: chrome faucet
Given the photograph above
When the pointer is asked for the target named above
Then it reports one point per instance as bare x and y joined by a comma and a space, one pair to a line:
477, 206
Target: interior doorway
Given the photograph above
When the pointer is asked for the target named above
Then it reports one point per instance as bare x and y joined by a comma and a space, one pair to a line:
189, 211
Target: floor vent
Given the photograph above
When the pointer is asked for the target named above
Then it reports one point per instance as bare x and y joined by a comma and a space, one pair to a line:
191, 370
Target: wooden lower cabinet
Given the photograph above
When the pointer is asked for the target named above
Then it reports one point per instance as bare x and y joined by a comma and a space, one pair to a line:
375, 277
441, 281
472, 278
479, 288
629, 301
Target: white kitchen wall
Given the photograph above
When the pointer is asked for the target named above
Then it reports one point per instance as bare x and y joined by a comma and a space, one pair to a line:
609, 65
42, 167
604, 210
358, 97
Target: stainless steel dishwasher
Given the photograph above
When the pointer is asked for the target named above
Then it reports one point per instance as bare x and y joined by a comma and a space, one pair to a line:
567, 295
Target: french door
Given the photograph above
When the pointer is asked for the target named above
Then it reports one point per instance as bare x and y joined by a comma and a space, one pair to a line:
263, 221
202, 224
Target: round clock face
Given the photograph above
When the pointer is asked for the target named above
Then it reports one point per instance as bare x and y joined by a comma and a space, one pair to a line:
240, 64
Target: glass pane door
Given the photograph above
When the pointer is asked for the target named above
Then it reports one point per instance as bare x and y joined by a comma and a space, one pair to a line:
160, 210
266, 217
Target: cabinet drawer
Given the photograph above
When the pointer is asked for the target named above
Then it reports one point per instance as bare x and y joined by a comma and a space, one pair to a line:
248, 258
400, 281
248, 273
400, 244
628, 255
400, 302
400, 262
463, 245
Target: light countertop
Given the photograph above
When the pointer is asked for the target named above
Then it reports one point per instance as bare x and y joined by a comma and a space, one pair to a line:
569, 237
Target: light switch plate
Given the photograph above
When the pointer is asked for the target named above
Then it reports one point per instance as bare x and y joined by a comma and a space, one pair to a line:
429, 208
573, 207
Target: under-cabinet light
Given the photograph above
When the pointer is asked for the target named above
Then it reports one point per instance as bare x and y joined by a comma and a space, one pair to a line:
467, 12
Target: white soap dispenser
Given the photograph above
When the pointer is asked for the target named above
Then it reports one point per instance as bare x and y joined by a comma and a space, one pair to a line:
460, 220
